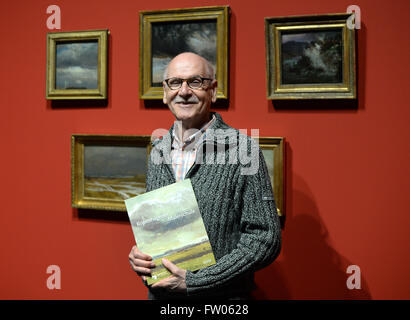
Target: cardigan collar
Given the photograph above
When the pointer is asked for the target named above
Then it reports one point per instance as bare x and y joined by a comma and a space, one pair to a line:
218, 133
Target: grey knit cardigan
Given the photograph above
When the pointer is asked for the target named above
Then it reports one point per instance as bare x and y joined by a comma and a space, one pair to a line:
237, 207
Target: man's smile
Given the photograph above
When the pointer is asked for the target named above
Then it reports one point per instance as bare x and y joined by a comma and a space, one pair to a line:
186, 103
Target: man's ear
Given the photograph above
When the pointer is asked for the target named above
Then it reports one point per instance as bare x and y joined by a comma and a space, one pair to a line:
164, 97
214, 90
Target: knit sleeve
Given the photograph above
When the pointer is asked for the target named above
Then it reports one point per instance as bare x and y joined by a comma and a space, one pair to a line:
260, 236
150, 176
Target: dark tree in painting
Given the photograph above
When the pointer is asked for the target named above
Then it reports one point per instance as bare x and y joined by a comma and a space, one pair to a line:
312, 57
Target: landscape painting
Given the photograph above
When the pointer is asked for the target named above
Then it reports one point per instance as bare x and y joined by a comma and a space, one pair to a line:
166, 33
312, 57
107, 169
171, 38
166, 223
76, 65
114, 172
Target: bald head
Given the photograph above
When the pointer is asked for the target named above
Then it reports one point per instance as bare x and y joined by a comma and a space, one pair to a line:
190, 105
187, 59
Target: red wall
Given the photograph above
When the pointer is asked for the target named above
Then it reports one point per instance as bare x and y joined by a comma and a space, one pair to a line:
347, 178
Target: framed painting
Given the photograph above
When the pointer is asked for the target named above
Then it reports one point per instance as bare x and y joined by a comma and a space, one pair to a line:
107, 169
77, 65
272, 150
311, 57
167, 33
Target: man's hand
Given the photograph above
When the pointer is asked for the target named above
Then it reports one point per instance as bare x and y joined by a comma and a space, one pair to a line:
141, 263
175, 282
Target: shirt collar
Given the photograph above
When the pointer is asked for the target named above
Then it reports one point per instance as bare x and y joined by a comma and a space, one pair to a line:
196, 136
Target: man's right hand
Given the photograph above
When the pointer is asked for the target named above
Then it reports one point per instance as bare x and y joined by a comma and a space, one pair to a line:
140, 263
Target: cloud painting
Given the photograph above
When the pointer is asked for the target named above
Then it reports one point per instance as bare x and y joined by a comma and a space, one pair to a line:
76, 65
171, 38
114, 172
114, 161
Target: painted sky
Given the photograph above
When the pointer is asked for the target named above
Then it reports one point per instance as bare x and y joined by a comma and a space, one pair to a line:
114, 161
76, 65
166, 205
170, 39
307, 36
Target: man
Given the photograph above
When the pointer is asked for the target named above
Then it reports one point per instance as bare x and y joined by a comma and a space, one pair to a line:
234, 196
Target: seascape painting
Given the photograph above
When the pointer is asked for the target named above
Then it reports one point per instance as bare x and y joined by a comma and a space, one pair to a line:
76, 65
114, 172
172, 38
312, 57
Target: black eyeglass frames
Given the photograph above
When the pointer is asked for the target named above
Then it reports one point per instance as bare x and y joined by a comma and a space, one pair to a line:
193, 83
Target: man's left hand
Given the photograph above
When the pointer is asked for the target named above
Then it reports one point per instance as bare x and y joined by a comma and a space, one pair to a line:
175, 282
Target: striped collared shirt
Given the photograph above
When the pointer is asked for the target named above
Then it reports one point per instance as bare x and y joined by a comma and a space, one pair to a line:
183, 154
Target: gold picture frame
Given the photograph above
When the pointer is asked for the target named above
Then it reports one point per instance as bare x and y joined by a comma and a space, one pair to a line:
77, 65
310, 57
185, 29
273, 152
107, 169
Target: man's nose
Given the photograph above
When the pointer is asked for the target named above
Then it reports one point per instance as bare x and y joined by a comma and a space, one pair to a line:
185, 90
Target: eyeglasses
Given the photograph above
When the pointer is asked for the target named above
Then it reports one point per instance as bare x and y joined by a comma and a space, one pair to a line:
193, 83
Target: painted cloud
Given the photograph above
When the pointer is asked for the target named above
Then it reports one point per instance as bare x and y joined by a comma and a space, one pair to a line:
76, 65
